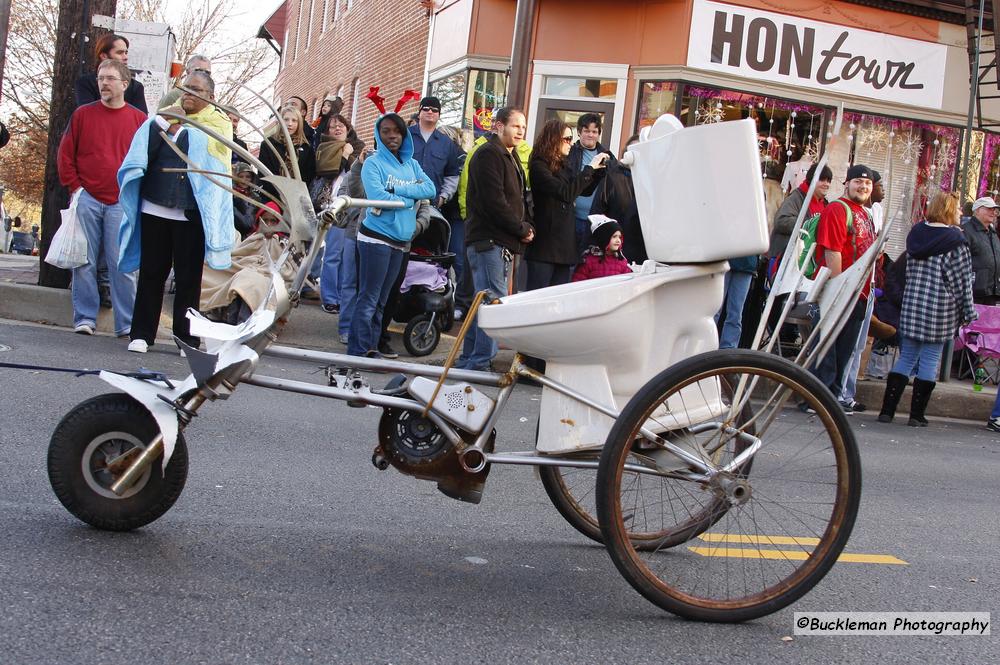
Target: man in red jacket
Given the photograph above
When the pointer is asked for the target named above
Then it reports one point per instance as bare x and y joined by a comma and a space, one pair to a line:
843, 235
90, 153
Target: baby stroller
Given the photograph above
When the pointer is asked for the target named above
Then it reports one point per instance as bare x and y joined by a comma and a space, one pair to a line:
427, 294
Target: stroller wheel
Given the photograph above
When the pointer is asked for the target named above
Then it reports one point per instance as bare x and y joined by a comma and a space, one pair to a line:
421, 336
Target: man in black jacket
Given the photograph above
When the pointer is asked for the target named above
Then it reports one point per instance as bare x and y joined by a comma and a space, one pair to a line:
615, 197
498, 224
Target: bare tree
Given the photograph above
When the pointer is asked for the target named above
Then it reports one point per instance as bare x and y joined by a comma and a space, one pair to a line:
204, 27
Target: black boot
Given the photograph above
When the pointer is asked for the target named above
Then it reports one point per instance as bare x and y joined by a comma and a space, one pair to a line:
918, 404
895, 384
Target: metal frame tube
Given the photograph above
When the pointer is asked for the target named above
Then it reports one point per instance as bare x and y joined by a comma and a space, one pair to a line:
704, 466
381, 365
373, 398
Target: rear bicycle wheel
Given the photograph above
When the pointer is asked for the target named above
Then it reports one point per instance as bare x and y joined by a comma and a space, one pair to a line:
755, 541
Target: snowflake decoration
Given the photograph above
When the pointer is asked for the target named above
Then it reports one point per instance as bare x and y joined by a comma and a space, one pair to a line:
873, 139
811, 152
709, 113
910, 149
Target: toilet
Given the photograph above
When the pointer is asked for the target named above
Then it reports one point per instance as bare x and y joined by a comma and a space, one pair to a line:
701, 201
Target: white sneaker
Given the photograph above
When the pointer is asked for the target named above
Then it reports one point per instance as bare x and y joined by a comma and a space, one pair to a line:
84, 329
138, 346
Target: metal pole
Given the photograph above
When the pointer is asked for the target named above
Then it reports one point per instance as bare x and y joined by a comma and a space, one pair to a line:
973, 94
4, 29
520, 57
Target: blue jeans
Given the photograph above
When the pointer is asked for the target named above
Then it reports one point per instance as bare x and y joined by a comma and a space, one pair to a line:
832, 368
489, 273
921, 357
457, 247
851, 382
100, 223
378, 267
996, 407
737, 286
348, 284
330, 277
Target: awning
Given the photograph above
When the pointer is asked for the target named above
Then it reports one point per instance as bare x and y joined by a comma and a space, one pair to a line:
273, 29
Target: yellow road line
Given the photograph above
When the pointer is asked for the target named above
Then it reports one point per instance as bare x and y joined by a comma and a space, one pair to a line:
795, 555
757, 540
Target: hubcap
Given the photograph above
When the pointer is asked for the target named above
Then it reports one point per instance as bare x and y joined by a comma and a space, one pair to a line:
100, 453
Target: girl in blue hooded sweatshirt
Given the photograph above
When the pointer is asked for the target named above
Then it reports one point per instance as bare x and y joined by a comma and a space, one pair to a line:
390, 174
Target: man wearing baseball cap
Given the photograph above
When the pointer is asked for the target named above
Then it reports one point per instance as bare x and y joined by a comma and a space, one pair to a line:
843, 235
982, 234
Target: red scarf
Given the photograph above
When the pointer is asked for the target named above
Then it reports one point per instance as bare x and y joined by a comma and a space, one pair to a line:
816, 203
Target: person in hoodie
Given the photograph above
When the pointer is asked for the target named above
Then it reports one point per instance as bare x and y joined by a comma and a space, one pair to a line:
390, 174
936, 299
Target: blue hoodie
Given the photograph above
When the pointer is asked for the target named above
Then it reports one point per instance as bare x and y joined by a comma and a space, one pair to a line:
409, 183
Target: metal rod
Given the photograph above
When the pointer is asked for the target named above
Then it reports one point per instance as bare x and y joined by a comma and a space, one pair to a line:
369, 397
152, 451
534, 459
973, 95
704, 466
382, 365
289, 146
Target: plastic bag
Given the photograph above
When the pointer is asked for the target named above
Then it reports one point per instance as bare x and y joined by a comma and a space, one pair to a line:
68, 248
881, 361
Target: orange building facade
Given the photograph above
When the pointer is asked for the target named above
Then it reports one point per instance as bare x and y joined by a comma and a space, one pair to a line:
902, 79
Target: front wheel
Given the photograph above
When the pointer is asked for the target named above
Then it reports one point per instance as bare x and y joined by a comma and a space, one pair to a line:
421, 336
756, 539
81, 462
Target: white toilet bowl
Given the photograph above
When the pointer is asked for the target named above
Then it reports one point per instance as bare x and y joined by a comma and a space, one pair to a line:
605, 338
700, 201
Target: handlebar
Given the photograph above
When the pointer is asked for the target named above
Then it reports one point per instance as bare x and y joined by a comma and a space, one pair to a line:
343, 202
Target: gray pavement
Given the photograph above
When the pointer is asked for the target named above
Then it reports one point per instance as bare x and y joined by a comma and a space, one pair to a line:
287, 546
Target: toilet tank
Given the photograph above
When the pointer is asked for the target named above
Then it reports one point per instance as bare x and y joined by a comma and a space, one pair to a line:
699, 191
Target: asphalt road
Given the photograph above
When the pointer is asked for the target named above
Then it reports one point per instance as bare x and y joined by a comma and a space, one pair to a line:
287, 546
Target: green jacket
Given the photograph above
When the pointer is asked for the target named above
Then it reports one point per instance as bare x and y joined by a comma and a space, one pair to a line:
523, 154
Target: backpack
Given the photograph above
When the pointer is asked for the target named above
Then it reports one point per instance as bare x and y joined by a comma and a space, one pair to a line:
808, 233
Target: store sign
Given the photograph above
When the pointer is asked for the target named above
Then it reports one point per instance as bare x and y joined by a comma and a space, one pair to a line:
786, 49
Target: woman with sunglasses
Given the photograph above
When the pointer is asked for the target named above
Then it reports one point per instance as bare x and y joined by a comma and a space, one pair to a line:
554, 187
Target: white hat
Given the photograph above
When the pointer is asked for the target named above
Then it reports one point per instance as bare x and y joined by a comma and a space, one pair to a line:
597, 220
984, 202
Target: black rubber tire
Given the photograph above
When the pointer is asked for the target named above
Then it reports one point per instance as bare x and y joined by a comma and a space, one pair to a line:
584, 519
421, 337
80, 430
569, 506
846, 492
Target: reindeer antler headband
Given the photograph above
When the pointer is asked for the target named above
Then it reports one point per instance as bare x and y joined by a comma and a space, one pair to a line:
379, 101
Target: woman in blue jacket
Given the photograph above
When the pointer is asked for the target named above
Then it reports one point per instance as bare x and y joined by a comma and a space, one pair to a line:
390, 174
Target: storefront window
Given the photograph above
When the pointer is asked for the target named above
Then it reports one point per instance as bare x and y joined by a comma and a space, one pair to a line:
451, 92
487, 92
916, 161
469, 98
789, 134
564, 86
655, 99
989, 181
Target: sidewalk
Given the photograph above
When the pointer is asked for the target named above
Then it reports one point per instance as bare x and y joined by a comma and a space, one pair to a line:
310, 327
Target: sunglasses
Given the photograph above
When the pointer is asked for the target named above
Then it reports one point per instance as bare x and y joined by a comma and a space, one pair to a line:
567, 139
430, 108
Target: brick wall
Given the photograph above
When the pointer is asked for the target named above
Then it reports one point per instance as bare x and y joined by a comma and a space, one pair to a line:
377, 42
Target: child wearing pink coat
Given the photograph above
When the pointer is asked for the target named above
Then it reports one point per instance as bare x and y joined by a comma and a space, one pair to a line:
604, 257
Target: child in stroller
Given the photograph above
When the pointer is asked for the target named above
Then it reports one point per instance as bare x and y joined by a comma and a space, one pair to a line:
427, 294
